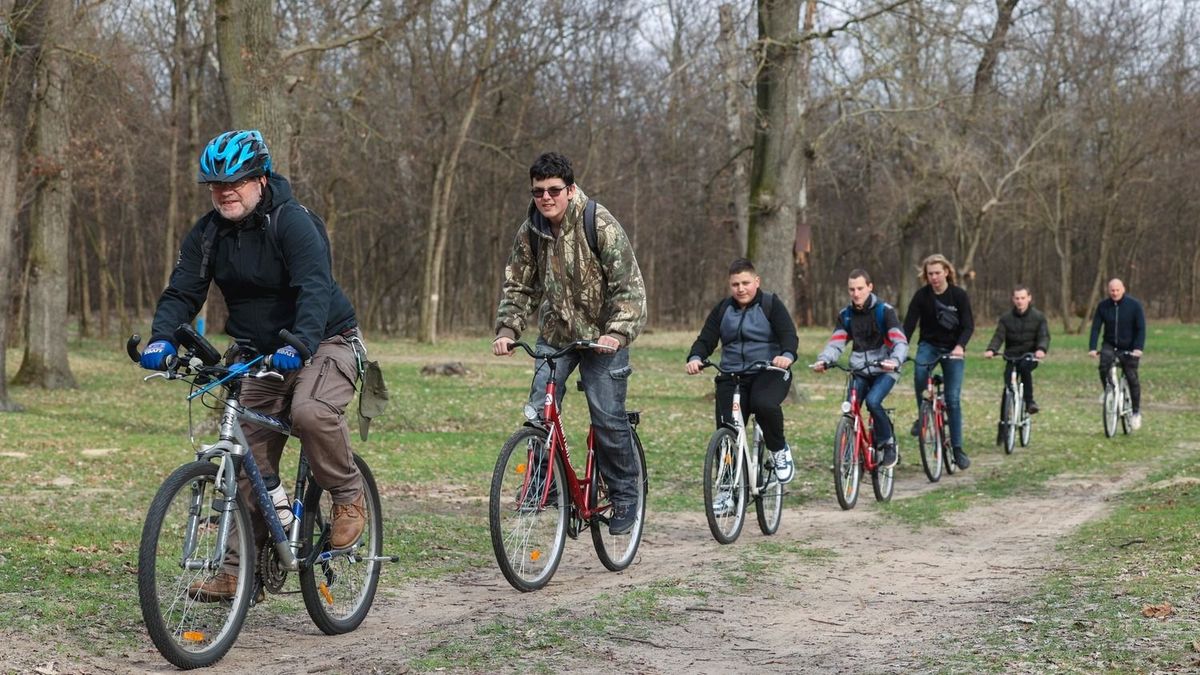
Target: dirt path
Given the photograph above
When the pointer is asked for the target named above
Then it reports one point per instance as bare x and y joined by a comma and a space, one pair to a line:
887, 598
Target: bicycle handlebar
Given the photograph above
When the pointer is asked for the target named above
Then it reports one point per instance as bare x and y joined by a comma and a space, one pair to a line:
861, 370
1027, 356
943, 357
578, 344
201, 357
753, 367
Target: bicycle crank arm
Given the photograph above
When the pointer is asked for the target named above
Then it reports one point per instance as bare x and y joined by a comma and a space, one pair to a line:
383, 558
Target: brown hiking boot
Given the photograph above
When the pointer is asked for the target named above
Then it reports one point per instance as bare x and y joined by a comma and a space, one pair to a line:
349, 520
223, 586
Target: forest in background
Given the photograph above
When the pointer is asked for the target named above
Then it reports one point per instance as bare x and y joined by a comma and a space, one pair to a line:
1048, 143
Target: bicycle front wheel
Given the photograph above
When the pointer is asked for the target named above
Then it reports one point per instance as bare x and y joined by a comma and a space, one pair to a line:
769, 504
846, 470
190, 628
1026, 427
617, 551
724, 486
527, 518
1126, 409
1110, 411
1011, 419
931, 444
339, 586
947, 448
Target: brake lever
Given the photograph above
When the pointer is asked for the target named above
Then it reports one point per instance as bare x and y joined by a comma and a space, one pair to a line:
269, 375
151, 376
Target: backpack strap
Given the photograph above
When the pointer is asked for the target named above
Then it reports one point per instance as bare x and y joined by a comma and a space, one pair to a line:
880, 311
767, 303
589, 231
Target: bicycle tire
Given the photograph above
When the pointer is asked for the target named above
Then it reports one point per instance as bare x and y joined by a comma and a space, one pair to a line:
1011, 417
1126, 409
722, 474
846, 469
768, 506
947, 448
931, 445
617, 551
188, 632
1026, 427
338, 591
527, 536
1110, 411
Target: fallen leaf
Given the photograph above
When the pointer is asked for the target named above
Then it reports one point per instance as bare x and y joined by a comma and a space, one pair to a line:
1158, 611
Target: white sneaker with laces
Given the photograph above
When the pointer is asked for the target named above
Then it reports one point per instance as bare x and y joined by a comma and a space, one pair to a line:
784, 467
1135, 421
723, 503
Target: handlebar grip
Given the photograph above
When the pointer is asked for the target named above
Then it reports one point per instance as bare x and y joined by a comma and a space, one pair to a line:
295, 343
131, 348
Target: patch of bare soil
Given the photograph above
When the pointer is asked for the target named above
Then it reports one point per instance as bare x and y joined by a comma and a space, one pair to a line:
889, 599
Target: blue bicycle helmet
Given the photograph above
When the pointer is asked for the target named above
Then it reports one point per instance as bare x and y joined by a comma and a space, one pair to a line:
234, 155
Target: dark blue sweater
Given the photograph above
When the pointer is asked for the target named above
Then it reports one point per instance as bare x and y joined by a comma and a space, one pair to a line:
1124, 324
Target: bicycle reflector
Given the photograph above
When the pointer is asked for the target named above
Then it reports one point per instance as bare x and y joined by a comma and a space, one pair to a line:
845, 407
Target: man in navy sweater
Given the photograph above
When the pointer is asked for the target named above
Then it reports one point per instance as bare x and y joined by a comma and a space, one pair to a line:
1124, 324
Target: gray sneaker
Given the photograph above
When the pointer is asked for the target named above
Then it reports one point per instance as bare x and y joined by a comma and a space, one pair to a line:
622, 520
784, 467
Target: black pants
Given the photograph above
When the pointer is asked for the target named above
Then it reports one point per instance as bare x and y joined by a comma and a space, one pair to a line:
1129, 364
1025, 369
762, 395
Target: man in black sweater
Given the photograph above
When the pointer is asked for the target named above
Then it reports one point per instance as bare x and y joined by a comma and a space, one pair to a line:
1021, 331
1124, 324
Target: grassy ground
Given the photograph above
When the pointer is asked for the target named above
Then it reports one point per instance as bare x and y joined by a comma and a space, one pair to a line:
78, 468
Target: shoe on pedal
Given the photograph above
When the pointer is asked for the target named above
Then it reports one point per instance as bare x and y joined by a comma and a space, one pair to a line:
723, 503
890, 456
961, 459
1032, 408
217, 588
349, 521
1135, 421
784, 467
622, 519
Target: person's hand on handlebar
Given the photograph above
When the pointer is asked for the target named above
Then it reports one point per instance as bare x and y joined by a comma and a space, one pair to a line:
607, 344
889, 365
958, 352
1039, 354
1137, 353
502, 346
989, 354
694, 366
819, 367
156, 355
781, 361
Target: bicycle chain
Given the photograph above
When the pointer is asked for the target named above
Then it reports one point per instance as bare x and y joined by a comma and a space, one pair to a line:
272, 574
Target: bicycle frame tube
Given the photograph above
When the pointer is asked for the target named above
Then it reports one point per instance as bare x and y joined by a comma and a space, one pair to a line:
743, 458
862, 434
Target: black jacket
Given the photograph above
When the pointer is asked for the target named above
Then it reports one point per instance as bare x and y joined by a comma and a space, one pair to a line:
922, 309
747, 334
1021, 333
269, 283
1124, 324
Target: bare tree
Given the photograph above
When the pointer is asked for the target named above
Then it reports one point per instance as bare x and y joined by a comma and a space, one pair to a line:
45, 360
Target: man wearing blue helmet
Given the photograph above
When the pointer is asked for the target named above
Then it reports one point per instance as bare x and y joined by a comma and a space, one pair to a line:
271, 259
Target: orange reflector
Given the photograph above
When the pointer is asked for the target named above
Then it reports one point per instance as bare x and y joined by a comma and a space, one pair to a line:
325, 593
520, 468
534, 555
193, 636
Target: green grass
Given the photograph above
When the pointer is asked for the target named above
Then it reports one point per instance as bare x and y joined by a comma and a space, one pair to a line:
78, 469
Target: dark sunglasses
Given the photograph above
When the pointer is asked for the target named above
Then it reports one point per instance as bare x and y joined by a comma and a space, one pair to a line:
538, 193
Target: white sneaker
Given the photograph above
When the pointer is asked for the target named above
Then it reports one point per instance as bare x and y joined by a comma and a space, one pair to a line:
723, 503
783, 464
1135, 421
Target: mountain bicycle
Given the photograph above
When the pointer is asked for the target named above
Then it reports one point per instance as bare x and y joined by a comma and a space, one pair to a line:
934, 435
537, 500
1014, 417
1117, 402
199, 515
854, 449
733, 473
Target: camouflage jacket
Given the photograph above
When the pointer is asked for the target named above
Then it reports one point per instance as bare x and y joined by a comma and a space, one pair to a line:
577, 296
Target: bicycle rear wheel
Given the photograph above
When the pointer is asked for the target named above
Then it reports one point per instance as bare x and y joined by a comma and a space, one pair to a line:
178, 551
846, 469
617, 551
724, 486
527, 521
931, 445
1011, 419
769, 503
339, 587
1110, 411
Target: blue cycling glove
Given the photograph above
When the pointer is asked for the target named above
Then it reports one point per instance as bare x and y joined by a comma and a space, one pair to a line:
155, 356
285, 359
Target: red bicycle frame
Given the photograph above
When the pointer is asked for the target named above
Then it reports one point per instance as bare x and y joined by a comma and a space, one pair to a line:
864, 432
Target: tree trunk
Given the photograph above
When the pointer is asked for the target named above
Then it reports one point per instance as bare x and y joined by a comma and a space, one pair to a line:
728, 49
45, 361
249, 61
776, 172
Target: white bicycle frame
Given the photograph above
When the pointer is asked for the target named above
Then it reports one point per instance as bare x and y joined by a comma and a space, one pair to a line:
743, 447
1115, 377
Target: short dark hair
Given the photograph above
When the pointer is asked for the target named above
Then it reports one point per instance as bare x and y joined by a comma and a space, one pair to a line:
552, 165
740, 265
1021, 287
860, 273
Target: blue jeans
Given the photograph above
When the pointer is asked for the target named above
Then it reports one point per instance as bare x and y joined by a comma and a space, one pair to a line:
604, 378
872, 391
952, 377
